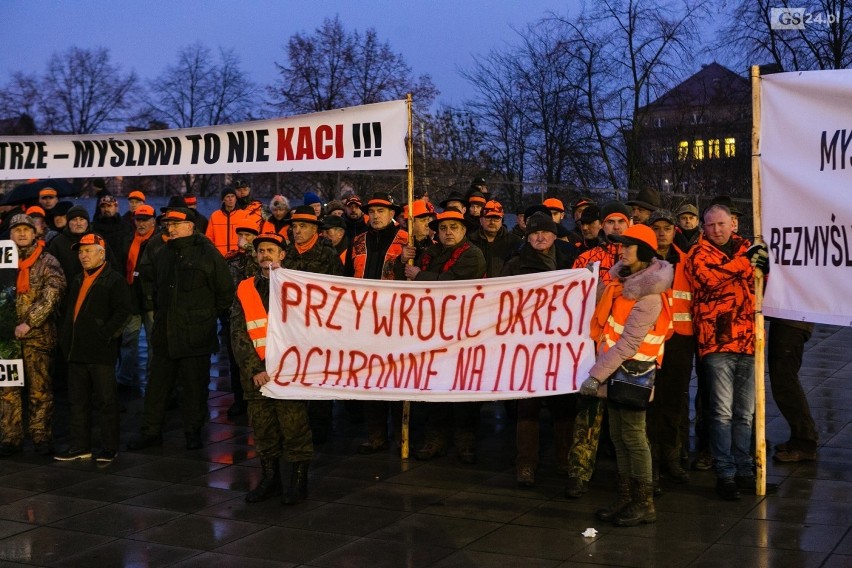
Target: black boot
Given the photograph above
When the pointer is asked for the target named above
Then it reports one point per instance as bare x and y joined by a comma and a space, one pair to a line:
269, 485
641, 508
297, 489
621, 501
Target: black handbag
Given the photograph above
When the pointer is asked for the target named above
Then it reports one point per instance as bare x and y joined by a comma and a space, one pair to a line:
632, 384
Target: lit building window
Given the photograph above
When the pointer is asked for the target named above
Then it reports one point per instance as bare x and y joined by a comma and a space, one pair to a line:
730, 147
713, 148
682, 150
698, 149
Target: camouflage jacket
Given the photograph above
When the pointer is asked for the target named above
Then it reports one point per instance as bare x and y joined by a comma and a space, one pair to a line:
321, 258
36, 308
241, 265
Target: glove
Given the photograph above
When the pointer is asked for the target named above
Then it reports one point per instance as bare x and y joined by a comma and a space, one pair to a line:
590, 387
758, 255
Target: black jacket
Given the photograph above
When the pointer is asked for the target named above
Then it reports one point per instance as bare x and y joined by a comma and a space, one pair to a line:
94, 337
192, 289
530, 261
496, 252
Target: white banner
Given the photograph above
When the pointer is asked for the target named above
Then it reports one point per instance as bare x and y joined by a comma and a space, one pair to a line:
499, 338
806, 194
369, 137
11, 365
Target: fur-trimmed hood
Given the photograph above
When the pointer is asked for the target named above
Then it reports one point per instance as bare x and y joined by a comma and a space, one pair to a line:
655, 279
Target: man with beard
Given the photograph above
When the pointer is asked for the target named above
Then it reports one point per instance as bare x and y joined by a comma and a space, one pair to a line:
356, 221
374, 253
39, 288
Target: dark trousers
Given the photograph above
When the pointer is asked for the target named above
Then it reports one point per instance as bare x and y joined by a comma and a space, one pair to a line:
665, 415
234, 368
563, 411
786, 345
376, 416
461, 418
192, 376
93, 387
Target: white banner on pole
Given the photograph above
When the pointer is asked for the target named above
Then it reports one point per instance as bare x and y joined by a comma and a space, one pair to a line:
806, 194
369, 137
498, 338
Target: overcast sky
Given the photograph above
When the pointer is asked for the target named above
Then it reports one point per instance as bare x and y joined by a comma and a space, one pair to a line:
435, 36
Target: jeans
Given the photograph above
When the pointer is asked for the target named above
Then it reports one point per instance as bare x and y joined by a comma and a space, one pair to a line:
730, 389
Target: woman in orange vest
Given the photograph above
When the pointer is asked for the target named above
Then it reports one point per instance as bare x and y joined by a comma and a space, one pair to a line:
630, 325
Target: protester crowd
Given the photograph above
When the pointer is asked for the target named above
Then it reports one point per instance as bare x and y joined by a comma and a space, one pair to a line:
675, 294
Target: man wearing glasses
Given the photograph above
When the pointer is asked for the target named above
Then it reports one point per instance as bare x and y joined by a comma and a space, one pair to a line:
192, 289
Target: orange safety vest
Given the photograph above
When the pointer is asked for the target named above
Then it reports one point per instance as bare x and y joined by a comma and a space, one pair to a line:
256, 316
359, 254
268, 227
653, 344
681, 298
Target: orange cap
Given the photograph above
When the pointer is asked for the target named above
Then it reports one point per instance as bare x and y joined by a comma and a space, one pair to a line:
136, 195
89, 239
554, 205
493, 209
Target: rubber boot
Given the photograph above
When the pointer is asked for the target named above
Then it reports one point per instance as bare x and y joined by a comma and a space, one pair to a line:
623, 499
641, 507
269, 484
297, 489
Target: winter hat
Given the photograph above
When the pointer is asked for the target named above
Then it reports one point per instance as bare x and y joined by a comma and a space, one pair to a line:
616, 208
540, 221
333, 206
228, 191
589, 215
62, 208
311, 198
333, 222
77, 211
279, 202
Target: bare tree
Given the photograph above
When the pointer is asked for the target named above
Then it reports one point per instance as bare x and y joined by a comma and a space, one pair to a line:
200, 90
824, 40
333, 68
80, 92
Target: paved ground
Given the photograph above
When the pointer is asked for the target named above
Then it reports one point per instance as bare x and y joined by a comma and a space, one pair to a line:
170, 507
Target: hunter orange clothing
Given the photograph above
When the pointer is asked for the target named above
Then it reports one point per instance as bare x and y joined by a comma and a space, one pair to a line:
222, 229
723, 296
256, 316
605, 253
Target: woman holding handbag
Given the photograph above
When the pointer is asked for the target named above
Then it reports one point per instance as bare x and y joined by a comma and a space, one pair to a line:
631, 322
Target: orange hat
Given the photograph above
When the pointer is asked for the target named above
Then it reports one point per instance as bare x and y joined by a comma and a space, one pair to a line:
554, 205
35, 211
274, 238
641, 235
304, 214
246, 227
144, 212
89, 239
176, 214
493, 209
420, 208
451, 214
47, 192
136, 195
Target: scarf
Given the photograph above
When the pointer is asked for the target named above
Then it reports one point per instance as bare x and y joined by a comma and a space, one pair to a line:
23, 283
88, 280
603, 308
302, 249
133, 255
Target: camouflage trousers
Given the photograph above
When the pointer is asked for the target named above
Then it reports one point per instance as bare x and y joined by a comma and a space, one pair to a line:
38, 385
587, 433
281, 427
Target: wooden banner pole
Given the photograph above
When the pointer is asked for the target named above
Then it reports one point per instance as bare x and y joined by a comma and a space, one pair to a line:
406, 405
759, 331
